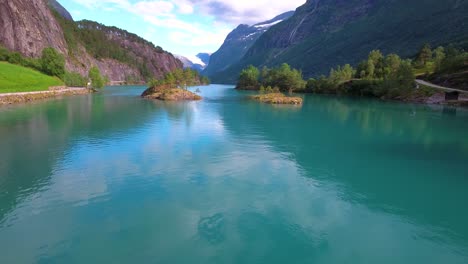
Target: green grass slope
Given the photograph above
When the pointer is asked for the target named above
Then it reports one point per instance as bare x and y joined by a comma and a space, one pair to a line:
16, 79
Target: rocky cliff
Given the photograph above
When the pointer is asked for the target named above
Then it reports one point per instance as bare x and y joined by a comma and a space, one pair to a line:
238, 42
29, 26
326, 33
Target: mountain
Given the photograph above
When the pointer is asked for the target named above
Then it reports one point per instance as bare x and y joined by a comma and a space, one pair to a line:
326, 33
29, 26
204, 57
194, 63
238, 42
197, 63
60, 9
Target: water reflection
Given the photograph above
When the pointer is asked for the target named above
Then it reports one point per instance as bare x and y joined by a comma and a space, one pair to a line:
123, 179
212, 228
403, 159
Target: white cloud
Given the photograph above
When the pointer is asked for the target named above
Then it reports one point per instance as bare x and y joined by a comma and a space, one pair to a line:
153, 8
245, 11
196, 23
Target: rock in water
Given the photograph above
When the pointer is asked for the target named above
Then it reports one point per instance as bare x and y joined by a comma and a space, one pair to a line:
167, 93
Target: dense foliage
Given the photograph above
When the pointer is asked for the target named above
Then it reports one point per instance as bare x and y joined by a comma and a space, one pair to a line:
381, 76
97, 81
283, 77
98, 41
52, 62
448, 66
180, 78
74, 79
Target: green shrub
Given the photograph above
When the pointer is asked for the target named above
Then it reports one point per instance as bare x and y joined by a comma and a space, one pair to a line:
97, 81
74, 79
52, 62
15, 58
4, 54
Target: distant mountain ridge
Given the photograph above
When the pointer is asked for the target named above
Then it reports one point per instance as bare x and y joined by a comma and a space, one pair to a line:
325, 33
199, 63
238, 42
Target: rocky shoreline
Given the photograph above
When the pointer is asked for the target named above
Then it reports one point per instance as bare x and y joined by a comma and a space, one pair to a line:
53, 92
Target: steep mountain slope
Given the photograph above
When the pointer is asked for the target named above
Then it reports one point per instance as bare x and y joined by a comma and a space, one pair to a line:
29, 26
326, 33
204, 57
60, 9
238, 43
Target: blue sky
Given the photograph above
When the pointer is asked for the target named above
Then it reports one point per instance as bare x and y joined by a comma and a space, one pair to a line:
184, 27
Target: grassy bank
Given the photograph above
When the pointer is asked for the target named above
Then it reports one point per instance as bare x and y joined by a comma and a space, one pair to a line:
16, 79
277, 98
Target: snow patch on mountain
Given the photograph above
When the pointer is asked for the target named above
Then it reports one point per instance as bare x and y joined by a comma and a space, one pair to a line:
268, 25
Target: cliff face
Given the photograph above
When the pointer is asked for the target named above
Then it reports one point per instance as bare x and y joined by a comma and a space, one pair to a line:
157, 61
326, 33
29, 26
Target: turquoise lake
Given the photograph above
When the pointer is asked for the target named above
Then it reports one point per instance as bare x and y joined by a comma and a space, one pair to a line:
113, 178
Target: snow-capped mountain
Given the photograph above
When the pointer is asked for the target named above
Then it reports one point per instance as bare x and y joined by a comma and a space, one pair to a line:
198, 62
238, 42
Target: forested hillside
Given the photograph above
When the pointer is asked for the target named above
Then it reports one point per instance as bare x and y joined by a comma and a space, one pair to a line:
325, 33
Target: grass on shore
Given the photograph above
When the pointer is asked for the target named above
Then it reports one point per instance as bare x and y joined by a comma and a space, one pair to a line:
17, 79
277, 98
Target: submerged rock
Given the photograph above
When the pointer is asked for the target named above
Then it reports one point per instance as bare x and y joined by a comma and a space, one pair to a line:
167, 93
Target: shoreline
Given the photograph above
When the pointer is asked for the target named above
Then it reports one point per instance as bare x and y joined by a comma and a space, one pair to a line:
53, 92
437, 98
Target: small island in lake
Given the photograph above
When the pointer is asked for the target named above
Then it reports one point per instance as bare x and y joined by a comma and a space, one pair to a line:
169, 93
277, 98
173, 86
274, 96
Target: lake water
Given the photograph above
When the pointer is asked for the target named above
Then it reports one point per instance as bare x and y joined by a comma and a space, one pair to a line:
113, 178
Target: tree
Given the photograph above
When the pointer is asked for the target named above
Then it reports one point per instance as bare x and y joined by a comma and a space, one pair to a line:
170, 79
284, 77
391, 64
439, 56
375, 64
52, 62
424, 56
96, 79
342, 74
248, 78
405, 75
370, 70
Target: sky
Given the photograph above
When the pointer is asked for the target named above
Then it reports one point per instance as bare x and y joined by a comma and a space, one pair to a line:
182, 27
